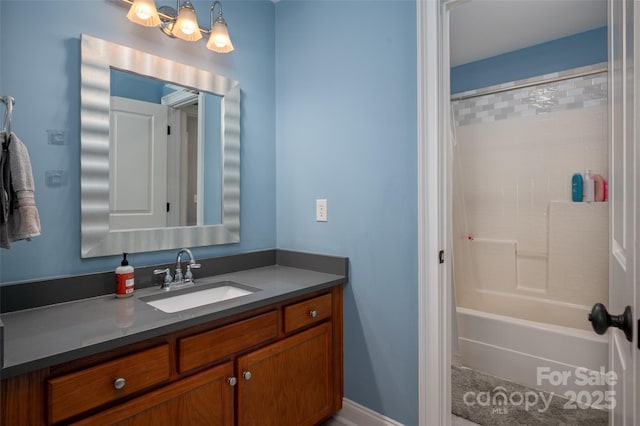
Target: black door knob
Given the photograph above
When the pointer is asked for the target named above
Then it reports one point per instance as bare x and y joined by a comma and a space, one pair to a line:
601, 320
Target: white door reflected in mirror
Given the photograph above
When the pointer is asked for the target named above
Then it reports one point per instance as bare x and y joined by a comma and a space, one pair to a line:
137, 164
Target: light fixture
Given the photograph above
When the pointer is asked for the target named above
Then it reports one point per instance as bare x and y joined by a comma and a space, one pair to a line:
186, 26
144, 12
219, 40
182, 22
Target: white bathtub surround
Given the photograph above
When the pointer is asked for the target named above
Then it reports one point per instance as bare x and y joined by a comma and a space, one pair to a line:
515, 349
529, 262
579, 253
557, 286
489, 256
521, 247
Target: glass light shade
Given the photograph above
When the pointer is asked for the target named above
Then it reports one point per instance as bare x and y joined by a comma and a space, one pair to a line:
144, 12
219, 40
186, 27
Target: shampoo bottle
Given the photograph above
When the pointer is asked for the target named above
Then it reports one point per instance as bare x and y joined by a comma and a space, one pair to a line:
576, 188
124, 278
588, 187
598, 188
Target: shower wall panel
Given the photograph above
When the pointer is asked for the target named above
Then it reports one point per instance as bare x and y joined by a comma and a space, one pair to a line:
521, 247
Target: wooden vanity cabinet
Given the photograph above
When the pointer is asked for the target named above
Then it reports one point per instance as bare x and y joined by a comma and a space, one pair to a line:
204, 399
287, 383
278, 365
77, 392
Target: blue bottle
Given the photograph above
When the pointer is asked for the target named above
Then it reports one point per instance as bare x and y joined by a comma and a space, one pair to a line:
576, 187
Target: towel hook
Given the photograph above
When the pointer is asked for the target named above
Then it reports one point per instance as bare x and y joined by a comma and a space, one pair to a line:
9, 102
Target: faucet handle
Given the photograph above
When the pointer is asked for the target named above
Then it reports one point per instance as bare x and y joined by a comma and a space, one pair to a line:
161, 271
188, 276
167, 276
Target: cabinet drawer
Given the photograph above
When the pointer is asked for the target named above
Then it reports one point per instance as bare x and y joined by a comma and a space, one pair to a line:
210, 346
307, 312
203, 399
85, 389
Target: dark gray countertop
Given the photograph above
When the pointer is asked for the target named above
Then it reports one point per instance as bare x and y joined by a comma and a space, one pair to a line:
45, 336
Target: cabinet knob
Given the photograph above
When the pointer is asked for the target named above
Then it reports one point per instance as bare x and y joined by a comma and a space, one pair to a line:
246, 375
232, 381
313, 313
119, 383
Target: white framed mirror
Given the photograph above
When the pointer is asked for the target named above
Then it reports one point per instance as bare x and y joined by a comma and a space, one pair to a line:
122, 160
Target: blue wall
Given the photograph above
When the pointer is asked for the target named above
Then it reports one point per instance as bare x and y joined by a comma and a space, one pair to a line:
589, 47
341, 102
339, 97
346, 131
41, 68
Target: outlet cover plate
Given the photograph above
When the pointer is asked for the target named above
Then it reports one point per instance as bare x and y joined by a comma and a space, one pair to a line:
321, 210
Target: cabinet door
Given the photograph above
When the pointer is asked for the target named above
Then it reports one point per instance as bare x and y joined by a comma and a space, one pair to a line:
288, 383
203, 399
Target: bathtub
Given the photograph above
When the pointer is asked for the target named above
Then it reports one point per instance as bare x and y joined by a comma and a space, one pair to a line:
556, 359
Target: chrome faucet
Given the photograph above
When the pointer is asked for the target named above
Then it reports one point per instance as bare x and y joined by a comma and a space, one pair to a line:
178, 279
188, 276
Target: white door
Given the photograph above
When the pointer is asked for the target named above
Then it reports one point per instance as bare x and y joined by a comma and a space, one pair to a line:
138, 164
623, 354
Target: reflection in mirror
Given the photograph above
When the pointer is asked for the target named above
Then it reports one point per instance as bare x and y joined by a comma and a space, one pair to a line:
134, 169
164, 154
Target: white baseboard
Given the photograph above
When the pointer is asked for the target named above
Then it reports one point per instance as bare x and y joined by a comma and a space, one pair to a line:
354, 414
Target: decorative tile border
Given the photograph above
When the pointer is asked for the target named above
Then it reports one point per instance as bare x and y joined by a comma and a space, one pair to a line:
499, 103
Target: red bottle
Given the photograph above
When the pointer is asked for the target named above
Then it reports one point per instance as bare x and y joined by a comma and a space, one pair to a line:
124, 278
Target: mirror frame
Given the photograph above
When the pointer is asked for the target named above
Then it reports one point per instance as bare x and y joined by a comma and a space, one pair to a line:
97, 58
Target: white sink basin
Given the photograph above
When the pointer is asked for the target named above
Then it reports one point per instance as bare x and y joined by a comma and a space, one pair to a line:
180, 300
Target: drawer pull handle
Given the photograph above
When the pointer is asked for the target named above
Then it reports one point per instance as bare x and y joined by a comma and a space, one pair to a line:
232, 381
313, 313
246, 375
119, 383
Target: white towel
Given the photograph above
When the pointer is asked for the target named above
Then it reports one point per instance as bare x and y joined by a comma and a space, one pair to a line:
23, 220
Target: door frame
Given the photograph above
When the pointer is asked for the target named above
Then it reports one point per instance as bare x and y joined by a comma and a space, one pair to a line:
434, 291
625, 134
434, 295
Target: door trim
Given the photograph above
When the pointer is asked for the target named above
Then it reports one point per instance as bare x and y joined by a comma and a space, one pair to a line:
434, 309
434, 329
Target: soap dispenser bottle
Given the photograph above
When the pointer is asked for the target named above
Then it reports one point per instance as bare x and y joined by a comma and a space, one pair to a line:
124, 278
